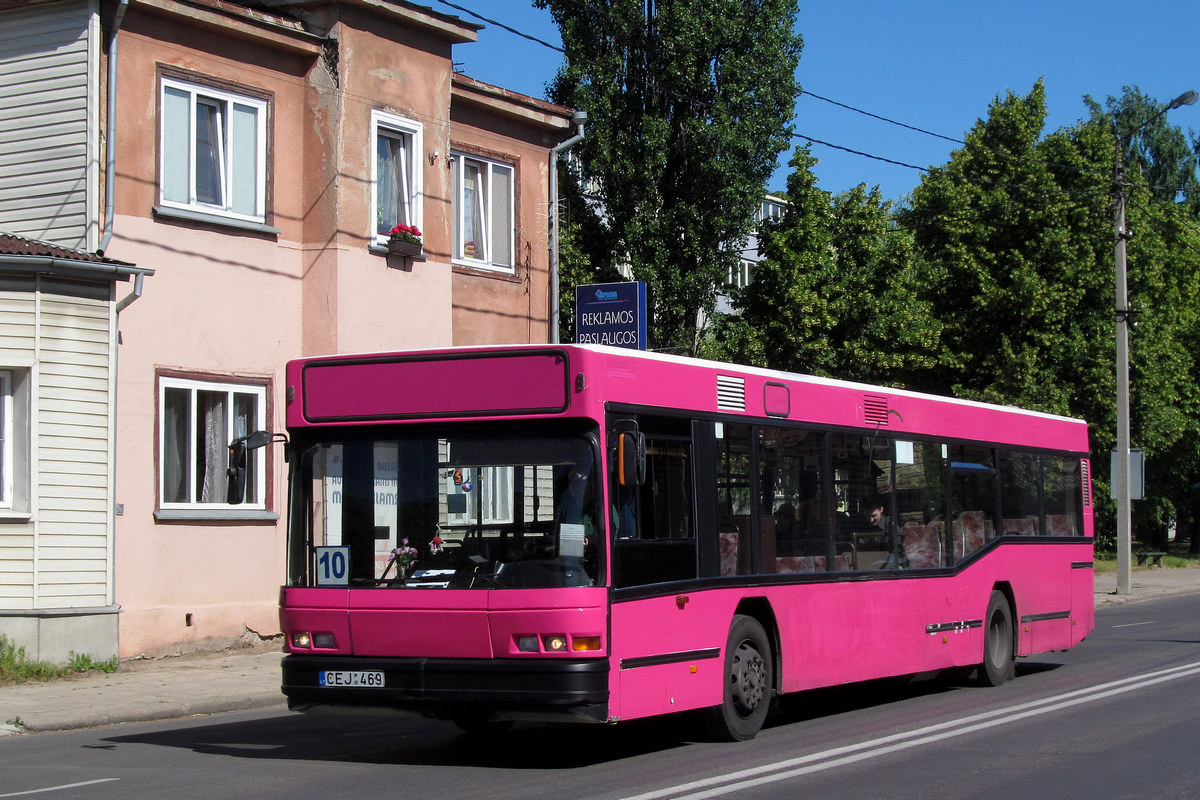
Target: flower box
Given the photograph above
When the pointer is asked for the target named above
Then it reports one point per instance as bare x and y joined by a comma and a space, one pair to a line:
401, 247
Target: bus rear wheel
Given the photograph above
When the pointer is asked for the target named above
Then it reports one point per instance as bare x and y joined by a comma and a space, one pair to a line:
748, 683
999, 663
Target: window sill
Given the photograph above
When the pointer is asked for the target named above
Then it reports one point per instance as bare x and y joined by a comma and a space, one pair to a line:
217, 220
214, 515
15, 517
485, 271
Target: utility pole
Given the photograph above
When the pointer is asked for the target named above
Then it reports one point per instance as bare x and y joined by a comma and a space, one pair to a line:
1121, 479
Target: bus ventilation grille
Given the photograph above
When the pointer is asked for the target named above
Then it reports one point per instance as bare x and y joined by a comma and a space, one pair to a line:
875, 409
1085, 473
731, 393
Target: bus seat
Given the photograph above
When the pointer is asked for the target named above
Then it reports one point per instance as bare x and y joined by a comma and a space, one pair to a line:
1025, 526
969, 531
729, 536
794, 565
1060, 525
922, 545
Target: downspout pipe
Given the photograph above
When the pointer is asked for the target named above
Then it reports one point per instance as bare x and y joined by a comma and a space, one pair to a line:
579, 118
110, 174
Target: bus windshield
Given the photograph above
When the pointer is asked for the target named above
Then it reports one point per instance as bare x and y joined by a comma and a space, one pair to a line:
444, 511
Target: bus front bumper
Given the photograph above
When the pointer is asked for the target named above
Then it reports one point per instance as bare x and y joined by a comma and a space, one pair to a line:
449, 688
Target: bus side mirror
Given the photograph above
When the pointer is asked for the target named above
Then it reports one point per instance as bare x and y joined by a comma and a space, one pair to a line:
631, 458
235, 473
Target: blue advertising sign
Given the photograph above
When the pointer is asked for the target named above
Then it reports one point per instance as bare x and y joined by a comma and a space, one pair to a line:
612, 314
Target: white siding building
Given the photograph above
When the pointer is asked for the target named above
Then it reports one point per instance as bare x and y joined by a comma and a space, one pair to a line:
58, 312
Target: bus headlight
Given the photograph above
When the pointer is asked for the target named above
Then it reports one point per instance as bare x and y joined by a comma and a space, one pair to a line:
301, 640
555, 643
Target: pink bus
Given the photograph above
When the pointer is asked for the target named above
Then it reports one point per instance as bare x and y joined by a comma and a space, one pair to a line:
573, 532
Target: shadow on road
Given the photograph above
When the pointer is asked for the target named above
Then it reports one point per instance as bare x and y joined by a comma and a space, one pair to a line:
386, 739
379, 739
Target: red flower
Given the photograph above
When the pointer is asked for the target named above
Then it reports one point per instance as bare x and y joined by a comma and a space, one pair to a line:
409, 233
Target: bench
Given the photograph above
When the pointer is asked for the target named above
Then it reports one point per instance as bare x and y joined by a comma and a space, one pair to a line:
1155, 559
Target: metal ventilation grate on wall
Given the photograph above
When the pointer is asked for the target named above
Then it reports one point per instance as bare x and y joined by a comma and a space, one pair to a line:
875, 409
731, 393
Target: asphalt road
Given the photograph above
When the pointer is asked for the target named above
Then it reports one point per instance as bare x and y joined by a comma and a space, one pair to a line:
1114, 718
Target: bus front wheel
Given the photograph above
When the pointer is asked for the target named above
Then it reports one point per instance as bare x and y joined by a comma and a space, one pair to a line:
998, 657
748, 683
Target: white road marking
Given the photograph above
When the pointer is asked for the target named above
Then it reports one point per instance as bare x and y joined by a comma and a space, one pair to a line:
840, 756
58, 788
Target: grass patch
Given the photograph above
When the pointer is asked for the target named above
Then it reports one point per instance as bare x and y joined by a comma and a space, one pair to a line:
1177, 555
16, 667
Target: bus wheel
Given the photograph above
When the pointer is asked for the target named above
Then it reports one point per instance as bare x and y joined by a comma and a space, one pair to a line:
998, 658
747, 683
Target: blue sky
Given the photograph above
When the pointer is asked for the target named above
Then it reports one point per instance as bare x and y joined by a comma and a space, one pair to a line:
931, 64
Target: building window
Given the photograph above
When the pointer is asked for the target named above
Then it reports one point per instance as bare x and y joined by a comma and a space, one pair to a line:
396, 185
483, 213
197, 420
7, 423
213, 151
769, 211
739, 275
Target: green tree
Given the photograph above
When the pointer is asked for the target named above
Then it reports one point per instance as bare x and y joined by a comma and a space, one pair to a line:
576, 265
838, 293
1164, 282
1016, 259
1018, 232
1152, 146
688, 106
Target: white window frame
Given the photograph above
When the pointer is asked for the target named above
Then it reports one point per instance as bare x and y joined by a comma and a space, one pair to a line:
386, 125
7, 423
230, 156
482, 257
256, 459
769, 210
493, 487
739, 275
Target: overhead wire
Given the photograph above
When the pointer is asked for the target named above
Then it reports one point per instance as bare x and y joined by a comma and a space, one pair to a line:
824, 143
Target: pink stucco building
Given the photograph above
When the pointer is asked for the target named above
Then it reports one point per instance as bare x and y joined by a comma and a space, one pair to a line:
254, 162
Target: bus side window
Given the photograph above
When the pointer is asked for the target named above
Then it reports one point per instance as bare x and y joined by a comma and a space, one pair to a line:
653, 523
667, 492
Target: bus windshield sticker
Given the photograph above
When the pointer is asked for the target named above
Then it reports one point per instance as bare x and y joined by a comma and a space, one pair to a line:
572, 539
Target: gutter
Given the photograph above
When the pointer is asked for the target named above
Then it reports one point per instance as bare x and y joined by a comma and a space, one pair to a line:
110, 175
77, 269
579, 117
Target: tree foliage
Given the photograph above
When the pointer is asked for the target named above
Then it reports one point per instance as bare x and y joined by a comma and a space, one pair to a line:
1018, 231
1013, 230
838, 293
1151, 146
688, 106
996, 283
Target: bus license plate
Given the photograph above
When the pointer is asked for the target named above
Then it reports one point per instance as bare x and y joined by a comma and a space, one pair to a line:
371, 678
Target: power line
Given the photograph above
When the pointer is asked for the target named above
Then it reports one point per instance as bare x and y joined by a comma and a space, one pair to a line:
863, 154
881, 118
852, 151
498, 24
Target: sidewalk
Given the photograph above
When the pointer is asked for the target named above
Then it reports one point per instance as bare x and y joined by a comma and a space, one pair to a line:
235, 680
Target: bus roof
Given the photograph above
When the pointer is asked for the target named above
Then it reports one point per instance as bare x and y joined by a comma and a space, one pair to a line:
492, 382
